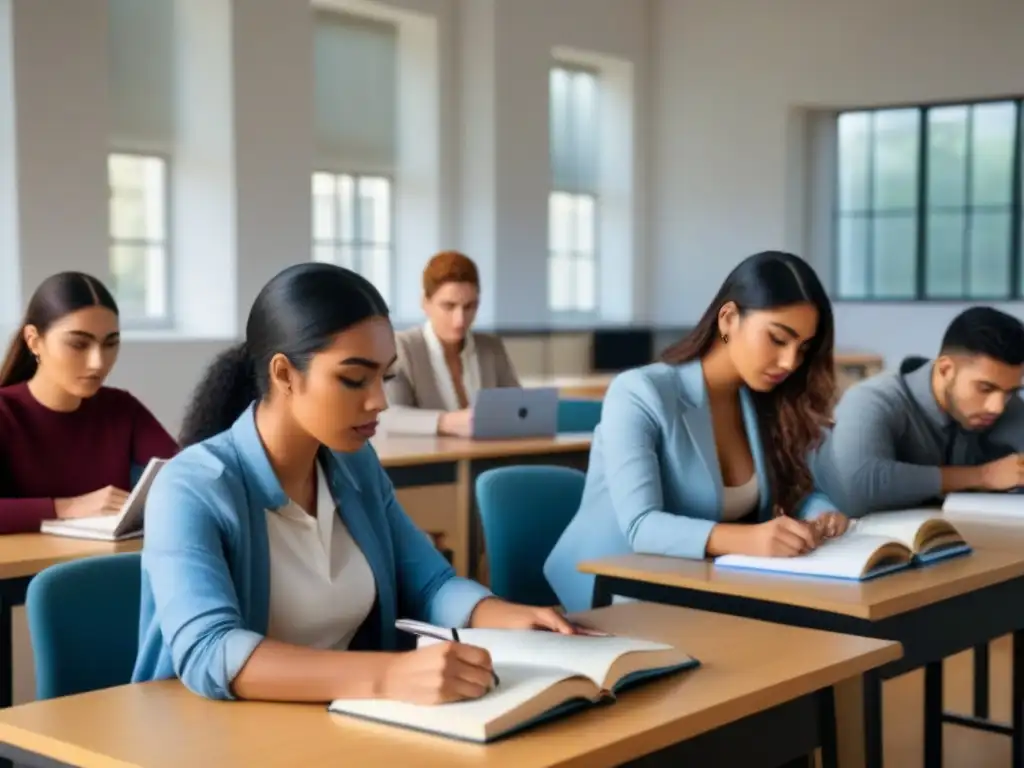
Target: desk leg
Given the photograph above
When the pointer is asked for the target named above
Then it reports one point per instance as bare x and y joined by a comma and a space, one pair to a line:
849, 710
602, 595
933, 714
981, 676
1017, 700
829, 727
873, 720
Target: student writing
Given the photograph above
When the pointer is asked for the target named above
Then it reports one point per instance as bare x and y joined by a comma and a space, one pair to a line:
443, 364
68, 444
714, 450
933, 427
277, 558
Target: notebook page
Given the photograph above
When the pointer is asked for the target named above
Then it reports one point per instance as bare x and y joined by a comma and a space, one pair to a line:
1003, 505
468, 719
901, 525
581, 654
843, 558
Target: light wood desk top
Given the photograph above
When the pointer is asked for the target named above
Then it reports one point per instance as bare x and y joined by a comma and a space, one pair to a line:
872, 600
747, 666
405, 450
26, 554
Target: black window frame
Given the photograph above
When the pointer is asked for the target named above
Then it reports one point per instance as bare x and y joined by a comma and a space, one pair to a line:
870, 214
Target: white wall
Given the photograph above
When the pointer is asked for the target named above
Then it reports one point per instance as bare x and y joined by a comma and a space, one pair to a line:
733, 79
262, 145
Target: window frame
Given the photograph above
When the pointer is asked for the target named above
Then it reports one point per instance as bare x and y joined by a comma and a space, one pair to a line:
356, 245
577, 255
167, 321
1015, 207
575, 312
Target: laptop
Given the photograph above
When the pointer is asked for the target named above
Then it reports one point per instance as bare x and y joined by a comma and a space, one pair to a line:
509, 412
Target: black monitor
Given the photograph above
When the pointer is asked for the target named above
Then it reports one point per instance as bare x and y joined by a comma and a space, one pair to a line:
617, 350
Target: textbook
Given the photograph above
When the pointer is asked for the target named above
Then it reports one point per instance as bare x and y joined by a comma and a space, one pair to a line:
542, 675
1006, 505
126, 524
873, 545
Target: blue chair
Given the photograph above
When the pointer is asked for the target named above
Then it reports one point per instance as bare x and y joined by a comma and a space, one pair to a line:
83, 617
578, 415
524, 510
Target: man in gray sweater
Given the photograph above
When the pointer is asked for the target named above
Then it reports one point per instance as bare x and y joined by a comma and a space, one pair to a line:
905, 438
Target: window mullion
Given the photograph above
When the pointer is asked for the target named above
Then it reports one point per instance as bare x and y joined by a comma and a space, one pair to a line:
922, 206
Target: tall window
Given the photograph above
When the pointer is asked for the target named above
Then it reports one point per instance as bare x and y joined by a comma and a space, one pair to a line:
138, 237
573, 202
352, 225
929, 202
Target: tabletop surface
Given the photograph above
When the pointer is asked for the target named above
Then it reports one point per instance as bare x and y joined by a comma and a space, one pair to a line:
26, 554
403, 450
746, 666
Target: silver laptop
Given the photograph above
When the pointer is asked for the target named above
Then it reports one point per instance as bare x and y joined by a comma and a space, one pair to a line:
508, 412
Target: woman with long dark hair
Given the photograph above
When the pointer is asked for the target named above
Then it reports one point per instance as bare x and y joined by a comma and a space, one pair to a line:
68, 444
277, 558
709, 451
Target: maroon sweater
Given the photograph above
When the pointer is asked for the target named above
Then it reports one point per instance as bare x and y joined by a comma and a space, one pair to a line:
47, 455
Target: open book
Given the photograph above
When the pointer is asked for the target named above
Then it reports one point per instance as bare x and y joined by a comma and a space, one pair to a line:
542, 675
1006, 505
126, 524
873, 545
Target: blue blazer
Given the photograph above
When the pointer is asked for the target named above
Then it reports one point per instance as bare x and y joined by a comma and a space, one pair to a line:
206, 559
653, 485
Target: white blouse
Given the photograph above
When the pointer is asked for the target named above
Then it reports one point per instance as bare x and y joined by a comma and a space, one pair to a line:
321, 585
443, 375
738, 501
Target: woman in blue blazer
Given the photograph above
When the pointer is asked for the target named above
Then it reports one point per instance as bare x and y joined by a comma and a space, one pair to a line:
276, 558
706, 453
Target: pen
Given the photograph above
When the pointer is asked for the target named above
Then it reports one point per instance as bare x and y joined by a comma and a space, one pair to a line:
437, 633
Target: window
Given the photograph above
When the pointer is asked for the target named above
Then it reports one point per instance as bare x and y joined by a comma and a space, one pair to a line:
352, 225
138, 237
573, 202
929, 202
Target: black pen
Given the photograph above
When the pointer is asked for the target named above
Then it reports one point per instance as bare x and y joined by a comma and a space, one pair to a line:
423, 629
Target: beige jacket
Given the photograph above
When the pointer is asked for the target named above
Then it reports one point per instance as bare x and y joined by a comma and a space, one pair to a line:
415, 401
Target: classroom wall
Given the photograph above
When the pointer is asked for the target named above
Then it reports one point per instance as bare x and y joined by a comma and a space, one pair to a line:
734, 81
484, 164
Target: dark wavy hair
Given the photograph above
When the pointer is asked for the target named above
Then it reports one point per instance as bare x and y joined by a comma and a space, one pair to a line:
794, 415
56, 297
296, 314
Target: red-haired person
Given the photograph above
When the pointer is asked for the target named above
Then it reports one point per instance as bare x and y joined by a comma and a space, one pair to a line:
443, 364
68, 444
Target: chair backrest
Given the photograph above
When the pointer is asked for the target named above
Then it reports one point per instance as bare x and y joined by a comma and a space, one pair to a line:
83, 617
577, 415
524, 510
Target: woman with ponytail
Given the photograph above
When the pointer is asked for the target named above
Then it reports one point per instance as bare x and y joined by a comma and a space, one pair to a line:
715, 450
277, 558
68, 444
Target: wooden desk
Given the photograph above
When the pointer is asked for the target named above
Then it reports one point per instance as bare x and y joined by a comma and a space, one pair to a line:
425, 461
761, 697
22, 556
934, 612
592, 386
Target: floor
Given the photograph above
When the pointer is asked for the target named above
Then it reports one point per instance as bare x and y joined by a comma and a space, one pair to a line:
962, 747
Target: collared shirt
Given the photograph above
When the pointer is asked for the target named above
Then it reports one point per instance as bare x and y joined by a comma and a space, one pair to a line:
321, 585
442, 374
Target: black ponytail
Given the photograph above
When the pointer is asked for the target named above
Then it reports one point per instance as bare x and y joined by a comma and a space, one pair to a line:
227, 388
56, 297
297, 314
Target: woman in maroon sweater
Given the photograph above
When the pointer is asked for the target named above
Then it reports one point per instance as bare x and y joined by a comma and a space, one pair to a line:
67, 443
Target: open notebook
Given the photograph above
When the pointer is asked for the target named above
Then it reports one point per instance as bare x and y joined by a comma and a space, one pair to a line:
542, 674
873, 545
1007, 505
126, 524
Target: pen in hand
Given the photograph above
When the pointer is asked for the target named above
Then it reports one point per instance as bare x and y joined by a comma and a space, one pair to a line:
422, 629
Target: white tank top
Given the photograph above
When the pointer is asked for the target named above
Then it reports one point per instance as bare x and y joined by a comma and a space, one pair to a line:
738, 501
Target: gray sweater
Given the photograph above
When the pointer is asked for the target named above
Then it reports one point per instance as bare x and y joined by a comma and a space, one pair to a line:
888, 449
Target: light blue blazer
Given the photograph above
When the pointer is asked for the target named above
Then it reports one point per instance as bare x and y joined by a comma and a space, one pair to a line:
206, 559
653, 485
